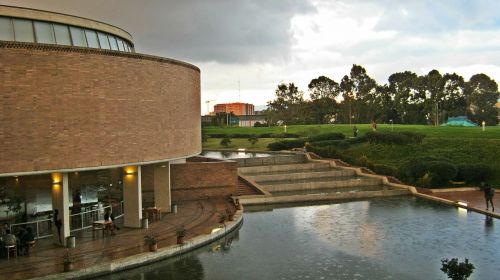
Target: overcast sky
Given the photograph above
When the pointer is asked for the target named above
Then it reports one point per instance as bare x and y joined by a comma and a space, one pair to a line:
261, 43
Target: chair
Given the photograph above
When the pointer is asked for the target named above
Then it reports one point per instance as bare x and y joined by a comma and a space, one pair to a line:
31, 245
10, 248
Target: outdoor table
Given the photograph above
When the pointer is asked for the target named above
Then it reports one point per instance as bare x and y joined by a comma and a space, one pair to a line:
105, 226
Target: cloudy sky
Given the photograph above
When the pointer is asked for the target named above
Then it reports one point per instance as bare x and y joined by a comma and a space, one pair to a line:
244, 48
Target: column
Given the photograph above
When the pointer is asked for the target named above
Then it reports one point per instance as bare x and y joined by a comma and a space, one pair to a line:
162, 194
132, 197
60, 207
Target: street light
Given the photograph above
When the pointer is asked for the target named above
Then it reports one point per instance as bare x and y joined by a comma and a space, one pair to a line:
392, 125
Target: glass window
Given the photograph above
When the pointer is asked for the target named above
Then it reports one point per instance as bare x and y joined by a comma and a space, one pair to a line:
92, 38
113, 43
78, 36
6, 31
127, 47
62, 34
103, 40
44, 33
23, 30
120, 44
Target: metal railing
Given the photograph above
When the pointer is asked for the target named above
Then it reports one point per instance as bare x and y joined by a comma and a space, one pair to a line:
78, 221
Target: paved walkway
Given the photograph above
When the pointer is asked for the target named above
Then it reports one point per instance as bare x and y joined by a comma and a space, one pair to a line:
475, 199
197, 217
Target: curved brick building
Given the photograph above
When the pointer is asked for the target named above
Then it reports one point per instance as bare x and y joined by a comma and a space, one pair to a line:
75, 97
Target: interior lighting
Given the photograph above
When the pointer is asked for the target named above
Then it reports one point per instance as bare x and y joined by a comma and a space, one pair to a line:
130, 170
56, 178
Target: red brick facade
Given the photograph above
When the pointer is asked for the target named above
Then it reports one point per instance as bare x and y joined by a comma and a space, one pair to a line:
198, 180
65, 108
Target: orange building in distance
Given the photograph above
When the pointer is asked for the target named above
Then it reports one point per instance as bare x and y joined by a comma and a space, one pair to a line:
239, 109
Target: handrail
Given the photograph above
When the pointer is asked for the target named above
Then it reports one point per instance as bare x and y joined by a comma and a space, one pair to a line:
79, 221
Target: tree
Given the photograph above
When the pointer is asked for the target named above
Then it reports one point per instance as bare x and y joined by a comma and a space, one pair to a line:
225, 141
456, 270
322, 106
453, 98
363, 90
408, 101
286, 107
482, 94
253, 139
433, 90
323, 87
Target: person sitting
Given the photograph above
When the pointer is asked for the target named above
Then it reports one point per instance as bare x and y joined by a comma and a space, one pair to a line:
108, 216
9, 239
26, 239
4, 229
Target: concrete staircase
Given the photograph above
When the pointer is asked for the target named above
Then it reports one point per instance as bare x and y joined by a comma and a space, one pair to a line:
311, 181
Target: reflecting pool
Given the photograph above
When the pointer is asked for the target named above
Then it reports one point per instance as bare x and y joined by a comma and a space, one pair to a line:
387, 238
231, 155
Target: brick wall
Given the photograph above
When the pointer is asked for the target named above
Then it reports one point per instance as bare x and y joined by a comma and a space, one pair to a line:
195, 180
68, 107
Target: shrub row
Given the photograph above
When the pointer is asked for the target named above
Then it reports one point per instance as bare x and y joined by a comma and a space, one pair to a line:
327, 151
326, 136
248, 135
433, 172
341, 144
396, 138
286, 145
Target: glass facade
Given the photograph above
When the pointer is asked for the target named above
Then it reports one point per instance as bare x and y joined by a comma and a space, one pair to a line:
44, 33
23, 30
34, 31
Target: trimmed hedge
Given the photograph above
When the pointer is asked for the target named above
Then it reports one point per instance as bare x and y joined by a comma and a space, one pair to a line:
439, 171
248, 135
396, 138
327, 136
286, 145
327, 152
385, 169
474, 173
341, 144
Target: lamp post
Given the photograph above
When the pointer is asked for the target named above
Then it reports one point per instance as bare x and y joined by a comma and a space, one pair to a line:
483, 123
285, 128
392, 125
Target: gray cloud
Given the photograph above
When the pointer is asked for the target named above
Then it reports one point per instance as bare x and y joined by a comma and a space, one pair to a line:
224, 31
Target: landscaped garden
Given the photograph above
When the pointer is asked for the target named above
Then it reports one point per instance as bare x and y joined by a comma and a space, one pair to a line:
428, 156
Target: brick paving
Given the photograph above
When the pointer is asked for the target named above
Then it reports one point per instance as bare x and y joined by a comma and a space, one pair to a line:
474, 198
197, 217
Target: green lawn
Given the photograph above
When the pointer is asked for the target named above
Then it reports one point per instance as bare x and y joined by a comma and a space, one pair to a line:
461, 145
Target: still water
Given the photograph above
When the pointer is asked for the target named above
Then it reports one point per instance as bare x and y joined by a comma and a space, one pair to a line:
388, 238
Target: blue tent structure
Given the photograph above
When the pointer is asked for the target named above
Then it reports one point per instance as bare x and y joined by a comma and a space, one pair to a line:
459, 121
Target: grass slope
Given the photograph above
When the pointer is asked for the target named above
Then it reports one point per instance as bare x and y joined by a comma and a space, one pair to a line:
458, 144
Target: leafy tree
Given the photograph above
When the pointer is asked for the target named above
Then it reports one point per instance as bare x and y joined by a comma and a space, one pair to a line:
408, 100
433, 90
287, 105
323, 87
482, 93
453, 97
225, 141
253, 139
456, 270
322, 107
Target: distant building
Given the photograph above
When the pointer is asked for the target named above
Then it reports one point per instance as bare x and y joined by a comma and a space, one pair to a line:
237, 108
250, 120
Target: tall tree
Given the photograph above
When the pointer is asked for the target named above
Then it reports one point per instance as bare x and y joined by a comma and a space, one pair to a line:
323, 92
286, 106
453, 98
482, 92
363, 87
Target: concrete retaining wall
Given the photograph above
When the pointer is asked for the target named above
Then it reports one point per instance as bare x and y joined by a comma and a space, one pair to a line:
276, 159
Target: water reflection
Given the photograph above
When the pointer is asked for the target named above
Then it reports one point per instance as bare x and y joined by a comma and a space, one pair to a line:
386, 238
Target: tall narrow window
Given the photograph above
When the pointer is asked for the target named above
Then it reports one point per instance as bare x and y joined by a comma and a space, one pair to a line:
6, 30
92, 38
62, 34
44, 32
23, 30
103, 41
78, 37
120, 44
113, 43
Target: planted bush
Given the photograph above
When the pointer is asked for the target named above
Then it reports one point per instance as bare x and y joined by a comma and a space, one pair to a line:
440, 170
225, 141
474, 173
327, 152
286, 145
384, 169
394, 138
327, 136
341, 144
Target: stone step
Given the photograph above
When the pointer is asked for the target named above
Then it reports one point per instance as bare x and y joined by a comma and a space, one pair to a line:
322, 185
256, 170
303, 174
328, 197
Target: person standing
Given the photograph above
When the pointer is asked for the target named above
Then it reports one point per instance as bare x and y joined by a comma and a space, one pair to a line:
355, 131
374, 125
489, 193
